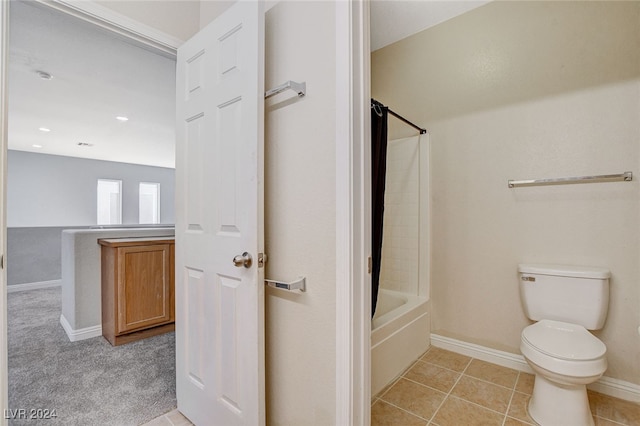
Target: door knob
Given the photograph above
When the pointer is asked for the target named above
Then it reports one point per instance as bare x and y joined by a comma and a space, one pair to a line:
243, 259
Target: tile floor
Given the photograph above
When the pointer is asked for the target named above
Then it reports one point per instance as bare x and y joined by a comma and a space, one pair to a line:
445, 388
173, 418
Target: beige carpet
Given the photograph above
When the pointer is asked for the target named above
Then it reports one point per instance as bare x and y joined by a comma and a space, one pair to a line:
88, 382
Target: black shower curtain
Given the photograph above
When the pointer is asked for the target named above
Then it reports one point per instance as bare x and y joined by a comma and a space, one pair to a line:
379, 116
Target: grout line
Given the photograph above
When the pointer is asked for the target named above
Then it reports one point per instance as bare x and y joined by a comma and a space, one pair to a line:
491, 383
444, 368
426, 386
513, 392
609, 420
405, 410
471, 402
513, 387
519, 420
478, 405
450, 390
410, 412
391, 384
413, 364
439, 391
387, 388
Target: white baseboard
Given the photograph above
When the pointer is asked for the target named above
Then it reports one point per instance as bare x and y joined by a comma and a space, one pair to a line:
33, 286
82, 333
494, 356
606, 385
618, 388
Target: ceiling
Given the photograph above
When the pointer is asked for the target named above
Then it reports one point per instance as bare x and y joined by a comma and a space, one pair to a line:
393, 20
97, 76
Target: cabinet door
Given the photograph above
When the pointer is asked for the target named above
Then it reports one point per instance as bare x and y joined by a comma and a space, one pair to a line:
144, 286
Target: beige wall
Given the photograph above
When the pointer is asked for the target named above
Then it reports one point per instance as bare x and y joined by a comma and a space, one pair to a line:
178, 18
300, 194
517, 90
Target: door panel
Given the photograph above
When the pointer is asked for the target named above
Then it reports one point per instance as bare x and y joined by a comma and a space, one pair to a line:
219, 154
194, 175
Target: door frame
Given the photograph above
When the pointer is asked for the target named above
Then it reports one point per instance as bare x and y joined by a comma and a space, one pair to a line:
4, 124
353, 293
117, 23
353, 211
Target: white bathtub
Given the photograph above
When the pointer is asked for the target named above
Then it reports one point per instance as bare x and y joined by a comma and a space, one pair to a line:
399, 335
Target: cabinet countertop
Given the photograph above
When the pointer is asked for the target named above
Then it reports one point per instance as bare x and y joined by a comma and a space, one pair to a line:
123, 242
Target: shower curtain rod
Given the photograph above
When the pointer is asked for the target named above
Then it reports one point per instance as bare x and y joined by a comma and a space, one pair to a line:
399, 117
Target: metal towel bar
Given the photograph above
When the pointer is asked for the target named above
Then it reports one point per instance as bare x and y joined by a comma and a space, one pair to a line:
298, 284
622, 177
299, 88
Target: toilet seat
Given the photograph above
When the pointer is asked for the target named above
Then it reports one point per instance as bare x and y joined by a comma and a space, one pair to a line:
564, 349
564, 341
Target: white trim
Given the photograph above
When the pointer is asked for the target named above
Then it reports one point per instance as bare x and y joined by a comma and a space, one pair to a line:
33, 286
82, 333
617, 388
4, 56
353, 293
494, 356
606, 385
120, 24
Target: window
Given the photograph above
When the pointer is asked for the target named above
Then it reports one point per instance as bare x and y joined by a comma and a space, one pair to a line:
109, 202
149, 203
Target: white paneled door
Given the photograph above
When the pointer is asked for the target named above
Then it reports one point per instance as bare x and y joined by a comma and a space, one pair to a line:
219, 221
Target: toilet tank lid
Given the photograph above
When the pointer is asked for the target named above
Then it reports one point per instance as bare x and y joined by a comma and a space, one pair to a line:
564, 270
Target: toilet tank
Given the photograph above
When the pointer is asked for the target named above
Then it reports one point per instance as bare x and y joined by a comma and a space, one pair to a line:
575, 294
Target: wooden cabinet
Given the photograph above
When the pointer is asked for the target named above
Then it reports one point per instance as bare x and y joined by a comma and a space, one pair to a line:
137, 288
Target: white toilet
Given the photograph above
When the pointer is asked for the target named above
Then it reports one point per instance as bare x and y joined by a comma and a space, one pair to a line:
566, 301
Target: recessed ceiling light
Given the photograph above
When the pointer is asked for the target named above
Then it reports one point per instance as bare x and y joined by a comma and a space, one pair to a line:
44, 129
36, 145
44, 75
122, 118
84, 144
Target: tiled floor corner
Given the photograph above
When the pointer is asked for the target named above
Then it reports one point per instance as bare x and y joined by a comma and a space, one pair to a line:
443, 388
173, 418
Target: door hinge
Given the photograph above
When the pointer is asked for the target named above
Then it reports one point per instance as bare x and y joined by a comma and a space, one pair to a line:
369, 264
262, 259
2, 261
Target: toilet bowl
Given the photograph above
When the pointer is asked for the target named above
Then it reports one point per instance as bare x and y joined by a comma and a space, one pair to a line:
565, 358
566, 302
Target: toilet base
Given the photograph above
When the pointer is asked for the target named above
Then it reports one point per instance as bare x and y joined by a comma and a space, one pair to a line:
553, 404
